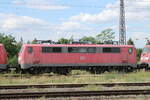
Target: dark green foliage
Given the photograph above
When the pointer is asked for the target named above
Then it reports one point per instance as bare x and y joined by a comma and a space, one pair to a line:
13, 60
63, 41
130, 42
138, 53
105, 35
11, 46
89, 39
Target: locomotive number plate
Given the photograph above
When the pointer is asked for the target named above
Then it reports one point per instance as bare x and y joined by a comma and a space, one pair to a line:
82, 58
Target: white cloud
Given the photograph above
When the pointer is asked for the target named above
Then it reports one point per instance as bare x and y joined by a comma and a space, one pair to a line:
40, 4
73, 26
105, 15
143, 3
11, 22
29, 27
134, 12
70, 25
23, 26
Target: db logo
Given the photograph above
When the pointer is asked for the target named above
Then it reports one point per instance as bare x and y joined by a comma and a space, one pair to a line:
82, 58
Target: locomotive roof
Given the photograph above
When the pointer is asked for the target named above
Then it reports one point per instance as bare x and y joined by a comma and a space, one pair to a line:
77, 45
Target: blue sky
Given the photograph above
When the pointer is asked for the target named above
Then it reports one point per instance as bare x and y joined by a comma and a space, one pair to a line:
53, 19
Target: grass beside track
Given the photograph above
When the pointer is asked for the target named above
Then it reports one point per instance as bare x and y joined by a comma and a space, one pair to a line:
141, 76
142, 97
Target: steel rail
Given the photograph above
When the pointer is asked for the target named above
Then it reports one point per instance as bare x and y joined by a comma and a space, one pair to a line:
71, 85
73, 94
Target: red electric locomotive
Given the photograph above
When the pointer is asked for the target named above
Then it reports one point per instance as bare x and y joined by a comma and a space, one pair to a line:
63, 57
145, 57
3, 58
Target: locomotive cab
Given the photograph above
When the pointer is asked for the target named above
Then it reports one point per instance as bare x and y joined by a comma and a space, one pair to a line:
28, 56
145, 57
25, 54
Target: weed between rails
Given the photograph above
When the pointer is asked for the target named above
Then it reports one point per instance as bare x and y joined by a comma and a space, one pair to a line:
8, 79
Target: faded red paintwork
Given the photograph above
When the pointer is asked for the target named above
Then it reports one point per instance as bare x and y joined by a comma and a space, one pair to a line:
37, 57
145, 56
3, 55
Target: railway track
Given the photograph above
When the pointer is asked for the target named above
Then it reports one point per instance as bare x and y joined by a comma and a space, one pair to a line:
73, 94
71, 85
24, 75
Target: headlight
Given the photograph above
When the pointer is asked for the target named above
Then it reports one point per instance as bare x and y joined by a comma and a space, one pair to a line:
19, 59
144, 58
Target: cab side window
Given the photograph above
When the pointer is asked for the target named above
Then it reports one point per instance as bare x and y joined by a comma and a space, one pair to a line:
82, 50
52, 49
30, 49
111, 50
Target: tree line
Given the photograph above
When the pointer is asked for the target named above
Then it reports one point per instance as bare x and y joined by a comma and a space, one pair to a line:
105, 37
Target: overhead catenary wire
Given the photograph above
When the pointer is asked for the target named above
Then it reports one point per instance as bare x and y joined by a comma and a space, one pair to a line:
72, 5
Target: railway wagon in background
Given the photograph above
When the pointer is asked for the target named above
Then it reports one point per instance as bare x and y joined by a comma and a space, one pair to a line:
3, 58
145, 57
61, 58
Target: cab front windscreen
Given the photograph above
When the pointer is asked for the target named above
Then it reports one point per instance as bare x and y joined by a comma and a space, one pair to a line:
146, 50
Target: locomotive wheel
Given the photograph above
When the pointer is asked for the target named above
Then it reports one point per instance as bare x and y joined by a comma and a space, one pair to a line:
62, 71
35, 71
18, 70
23, 71
97, 70
110, 69
126, 69
130, 69
47, 70
147, 67
1, 71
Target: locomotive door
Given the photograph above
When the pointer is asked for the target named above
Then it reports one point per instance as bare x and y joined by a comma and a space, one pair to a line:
36, 51
124, 55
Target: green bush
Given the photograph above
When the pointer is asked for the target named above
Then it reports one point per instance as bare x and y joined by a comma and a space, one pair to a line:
13, 60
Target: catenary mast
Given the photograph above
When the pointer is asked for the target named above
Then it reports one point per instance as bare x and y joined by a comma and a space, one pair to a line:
122, 27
